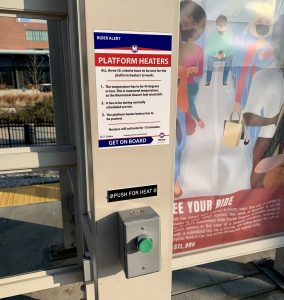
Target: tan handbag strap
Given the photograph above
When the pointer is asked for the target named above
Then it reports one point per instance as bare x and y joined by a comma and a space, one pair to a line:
231, 116
280, 114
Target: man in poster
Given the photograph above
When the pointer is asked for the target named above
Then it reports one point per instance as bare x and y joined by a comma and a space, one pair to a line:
265, 101
220, 47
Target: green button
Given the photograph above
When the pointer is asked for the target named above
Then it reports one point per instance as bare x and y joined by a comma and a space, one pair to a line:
145, 244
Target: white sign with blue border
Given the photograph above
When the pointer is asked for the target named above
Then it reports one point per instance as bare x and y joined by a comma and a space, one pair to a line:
133, 80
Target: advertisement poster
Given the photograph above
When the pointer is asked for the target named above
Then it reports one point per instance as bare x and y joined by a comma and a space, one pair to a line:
229, 161
133, 79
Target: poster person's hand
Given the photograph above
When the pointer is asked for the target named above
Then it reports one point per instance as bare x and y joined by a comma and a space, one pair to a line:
237, 107
275, 119
192, 71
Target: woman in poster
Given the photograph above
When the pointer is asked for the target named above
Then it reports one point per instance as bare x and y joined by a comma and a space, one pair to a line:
254, 54
255, 51
191, 61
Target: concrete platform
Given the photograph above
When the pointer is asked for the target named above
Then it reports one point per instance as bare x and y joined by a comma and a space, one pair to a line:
26, 234
238, 278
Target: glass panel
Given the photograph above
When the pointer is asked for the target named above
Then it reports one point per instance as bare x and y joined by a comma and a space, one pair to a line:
44, 35
29, 35
36, 35
229, 153
31, 224
27, 105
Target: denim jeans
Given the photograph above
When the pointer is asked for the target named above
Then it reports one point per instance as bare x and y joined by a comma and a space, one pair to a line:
227, 67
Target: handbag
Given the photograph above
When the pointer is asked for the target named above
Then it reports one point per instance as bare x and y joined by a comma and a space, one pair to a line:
233, 130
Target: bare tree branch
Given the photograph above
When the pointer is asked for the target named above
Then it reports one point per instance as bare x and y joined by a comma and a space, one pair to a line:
34, 70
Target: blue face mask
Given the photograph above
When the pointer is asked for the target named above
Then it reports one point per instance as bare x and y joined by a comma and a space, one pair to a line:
262, 29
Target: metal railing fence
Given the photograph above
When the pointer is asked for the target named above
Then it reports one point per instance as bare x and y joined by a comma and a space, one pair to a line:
19, 134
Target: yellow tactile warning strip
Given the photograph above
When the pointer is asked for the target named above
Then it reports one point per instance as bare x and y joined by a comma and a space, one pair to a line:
24, 195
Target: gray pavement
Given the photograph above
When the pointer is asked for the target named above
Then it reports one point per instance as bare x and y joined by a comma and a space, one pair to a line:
237, 278
26, 234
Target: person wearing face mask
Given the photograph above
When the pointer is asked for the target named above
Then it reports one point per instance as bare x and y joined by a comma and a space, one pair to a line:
191, 55
220, 47
264, 108
254, 53
191, 60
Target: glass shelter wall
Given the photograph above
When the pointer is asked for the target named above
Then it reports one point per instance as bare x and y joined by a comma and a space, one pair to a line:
37, 214
31, 223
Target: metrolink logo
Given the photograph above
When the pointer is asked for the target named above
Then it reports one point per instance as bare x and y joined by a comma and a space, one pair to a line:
134, 48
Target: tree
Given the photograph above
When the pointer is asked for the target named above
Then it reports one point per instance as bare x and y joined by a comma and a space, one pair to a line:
34, 70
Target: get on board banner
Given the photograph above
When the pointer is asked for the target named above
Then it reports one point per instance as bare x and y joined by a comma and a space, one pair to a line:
229, 161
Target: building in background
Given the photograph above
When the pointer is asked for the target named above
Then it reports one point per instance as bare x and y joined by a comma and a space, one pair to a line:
24, 52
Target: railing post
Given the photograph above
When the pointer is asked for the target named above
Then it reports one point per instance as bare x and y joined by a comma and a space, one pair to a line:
29, 133
9, 134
